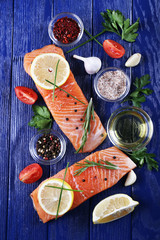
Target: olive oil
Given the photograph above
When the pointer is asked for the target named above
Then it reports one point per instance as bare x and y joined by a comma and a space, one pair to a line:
130, 128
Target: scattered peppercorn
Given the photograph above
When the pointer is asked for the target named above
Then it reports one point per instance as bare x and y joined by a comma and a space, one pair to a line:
105, 179
48, 146
102, 135
75, 110
95, 177
81, 119
114, 157
66, 30
76, 127
75, 103
67, 95
67, 119
83, 180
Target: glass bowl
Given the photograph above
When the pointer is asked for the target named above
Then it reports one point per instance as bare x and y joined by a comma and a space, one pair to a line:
33, 151
69, 15
130, 128
128, 84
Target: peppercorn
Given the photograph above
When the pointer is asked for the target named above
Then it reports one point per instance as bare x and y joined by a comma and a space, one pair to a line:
48, 146
83, 180
76, 127
105, 179
114, 157
75, 110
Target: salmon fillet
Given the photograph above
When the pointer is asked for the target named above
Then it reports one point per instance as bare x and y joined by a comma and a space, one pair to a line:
67, 112
91, 181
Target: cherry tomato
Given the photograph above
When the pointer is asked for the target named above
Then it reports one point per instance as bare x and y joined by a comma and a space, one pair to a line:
26, 95
113, 49
31, 173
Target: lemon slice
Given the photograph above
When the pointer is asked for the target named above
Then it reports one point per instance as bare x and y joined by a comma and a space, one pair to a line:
49, 197
112, 208
43, 68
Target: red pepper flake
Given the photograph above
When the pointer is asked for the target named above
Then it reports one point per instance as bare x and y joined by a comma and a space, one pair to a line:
66, 30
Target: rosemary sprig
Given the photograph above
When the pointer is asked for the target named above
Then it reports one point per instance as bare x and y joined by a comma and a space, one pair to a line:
67, 189
65, 91
100, 164
55, 78
60, 196
86, 41
89, 113
92, 37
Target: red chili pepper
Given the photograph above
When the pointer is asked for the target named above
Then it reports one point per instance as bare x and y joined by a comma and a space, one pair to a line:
66, 30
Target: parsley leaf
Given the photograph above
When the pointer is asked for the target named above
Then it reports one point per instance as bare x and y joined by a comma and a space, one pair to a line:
41, 119
141, 157
116, 22
138, 95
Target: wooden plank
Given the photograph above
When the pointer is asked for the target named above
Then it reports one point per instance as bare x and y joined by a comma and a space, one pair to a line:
146, 221
6, 19
75, 224
30, 32
120, 229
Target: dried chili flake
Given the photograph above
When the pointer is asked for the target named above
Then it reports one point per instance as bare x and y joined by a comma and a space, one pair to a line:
66, 30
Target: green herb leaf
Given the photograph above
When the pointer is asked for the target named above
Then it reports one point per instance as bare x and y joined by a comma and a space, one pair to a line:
138, 95
89, 114
67, 189
116, 22
42, 118
60, 196
64, 91
141, 157
100, 164
41, 111
55, 78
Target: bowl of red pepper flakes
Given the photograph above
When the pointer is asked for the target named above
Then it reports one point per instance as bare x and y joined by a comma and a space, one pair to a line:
66, 29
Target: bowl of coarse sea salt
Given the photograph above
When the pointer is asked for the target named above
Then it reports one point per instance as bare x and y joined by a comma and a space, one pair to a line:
112, 84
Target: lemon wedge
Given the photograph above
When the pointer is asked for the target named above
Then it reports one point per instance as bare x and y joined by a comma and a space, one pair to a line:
49, 197
43, 68
112, 208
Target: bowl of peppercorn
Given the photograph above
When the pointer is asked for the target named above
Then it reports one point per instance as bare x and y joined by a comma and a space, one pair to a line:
47, 147
65, 29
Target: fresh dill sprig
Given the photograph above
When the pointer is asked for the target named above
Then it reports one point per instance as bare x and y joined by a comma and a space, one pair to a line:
65, 91
100, 164
55, 78
89, 114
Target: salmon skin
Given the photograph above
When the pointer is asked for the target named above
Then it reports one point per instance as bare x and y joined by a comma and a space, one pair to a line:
93, 180
67, 112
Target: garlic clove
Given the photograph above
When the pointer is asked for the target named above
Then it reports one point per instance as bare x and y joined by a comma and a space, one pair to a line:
133, 60
131, 178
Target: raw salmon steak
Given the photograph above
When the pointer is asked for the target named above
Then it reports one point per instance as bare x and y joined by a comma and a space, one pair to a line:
93, 180
68, 112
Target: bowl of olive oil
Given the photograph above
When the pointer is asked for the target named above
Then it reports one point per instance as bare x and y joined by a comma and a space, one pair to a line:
130, 128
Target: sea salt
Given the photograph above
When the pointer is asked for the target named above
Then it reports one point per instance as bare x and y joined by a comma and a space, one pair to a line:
112, 84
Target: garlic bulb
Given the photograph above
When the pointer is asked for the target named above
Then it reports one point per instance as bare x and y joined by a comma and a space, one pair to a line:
92, 64
131, 178
133, 60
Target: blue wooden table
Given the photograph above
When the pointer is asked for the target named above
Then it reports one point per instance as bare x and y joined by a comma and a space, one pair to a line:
24, 27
